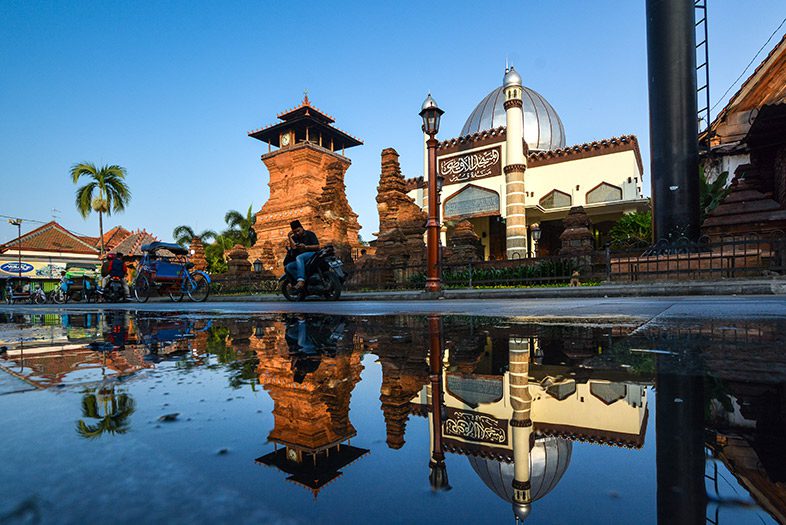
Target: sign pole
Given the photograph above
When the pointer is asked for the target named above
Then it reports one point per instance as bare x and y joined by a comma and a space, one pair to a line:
18, 224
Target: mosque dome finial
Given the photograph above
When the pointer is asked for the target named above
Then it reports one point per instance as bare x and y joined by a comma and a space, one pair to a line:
511, 78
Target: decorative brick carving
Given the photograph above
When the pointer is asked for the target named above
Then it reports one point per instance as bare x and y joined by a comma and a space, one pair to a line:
401, 222
576, 239
464, 245
198, 257
306, 183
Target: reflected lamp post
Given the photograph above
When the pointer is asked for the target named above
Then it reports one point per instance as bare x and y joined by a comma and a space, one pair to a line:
535, 229
431, 113
18, 224
438, 472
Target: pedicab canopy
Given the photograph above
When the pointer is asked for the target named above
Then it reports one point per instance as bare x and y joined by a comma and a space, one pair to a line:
155, 247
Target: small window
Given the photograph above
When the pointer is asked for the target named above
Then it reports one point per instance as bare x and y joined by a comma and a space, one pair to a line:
604, 192
555, 199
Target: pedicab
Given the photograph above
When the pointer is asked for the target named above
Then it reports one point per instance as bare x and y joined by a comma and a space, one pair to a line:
21, 290
77, 283
166, 270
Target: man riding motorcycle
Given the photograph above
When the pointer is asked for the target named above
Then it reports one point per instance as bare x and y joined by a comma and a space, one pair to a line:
114, 267
302, 244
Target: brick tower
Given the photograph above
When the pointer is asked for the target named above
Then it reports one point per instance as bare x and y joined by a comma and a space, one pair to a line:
306, 162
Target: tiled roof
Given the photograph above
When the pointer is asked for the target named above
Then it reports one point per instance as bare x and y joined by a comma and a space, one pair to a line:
132, 244
115, 236
722, 114
623, 142
51, 237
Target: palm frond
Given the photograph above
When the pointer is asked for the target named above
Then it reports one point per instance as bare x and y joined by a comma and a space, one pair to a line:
83, 169
84, 198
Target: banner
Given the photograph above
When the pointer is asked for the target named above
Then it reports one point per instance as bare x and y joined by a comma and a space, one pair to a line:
34, 270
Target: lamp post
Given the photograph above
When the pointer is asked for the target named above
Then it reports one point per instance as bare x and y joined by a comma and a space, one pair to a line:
431, 113
535, 230
438, 473
18, 224
257, 266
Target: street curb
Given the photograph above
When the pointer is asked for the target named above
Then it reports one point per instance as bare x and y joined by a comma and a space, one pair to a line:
650, 289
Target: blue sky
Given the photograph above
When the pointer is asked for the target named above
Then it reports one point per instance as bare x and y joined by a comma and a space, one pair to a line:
170, 89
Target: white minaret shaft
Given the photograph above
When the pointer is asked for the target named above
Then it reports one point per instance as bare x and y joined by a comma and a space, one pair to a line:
520, 423
515, 166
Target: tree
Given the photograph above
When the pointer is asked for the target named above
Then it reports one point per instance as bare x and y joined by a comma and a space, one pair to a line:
107, 191
632, 230
241, 227
112, 414
184, 234
712, 193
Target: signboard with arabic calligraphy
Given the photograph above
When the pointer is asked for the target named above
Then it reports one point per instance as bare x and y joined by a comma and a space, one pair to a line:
472, 166
475, 426
472, 201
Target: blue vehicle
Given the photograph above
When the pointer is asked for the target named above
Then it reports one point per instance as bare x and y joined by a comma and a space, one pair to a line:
165, 269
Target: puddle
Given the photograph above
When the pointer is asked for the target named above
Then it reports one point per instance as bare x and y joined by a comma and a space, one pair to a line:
154, 416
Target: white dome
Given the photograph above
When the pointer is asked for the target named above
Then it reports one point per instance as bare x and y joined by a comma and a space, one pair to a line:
549, 460
543, 129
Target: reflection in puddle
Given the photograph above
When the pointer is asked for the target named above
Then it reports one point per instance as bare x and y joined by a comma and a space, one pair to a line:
522, 413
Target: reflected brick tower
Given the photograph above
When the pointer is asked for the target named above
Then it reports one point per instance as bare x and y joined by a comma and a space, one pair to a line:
307, 169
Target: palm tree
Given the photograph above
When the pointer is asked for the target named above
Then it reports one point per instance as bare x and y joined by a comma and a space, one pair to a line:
184, 235
107, 192
241, 228
112, 416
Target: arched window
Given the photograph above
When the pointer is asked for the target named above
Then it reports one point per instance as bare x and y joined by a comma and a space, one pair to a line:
604, 192
555, 199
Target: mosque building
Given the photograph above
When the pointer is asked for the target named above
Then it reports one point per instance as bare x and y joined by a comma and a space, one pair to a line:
511, 170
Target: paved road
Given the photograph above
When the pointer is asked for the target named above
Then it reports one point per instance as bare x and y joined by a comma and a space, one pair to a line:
633, 308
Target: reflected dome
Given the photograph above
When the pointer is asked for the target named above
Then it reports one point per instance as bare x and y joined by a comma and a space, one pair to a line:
549, 460
543, 129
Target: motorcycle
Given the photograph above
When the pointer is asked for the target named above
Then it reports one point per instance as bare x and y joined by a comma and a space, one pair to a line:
325, 277
114, 292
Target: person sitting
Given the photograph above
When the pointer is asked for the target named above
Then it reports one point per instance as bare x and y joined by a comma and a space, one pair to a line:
302, 244
115, 267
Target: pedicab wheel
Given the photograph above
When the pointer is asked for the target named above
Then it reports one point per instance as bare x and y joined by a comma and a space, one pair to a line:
334, 293
200, 288
176, 296
290, 292
142, 289
37, 299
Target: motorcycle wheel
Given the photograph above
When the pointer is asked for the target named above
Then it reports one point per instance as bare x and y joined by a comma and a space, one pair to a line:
58, 297
142, 289
289, 291
334, 292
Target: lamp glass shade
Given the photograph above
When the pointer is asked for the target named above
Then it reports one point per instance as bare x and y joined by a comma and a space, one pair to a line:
257, 266
536, 232
430, 113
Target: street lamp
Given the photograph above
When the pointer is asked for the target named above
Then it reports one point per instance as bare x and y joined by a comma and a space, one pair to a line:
431, 113
438, 472
18, 224
257, 266
535, 230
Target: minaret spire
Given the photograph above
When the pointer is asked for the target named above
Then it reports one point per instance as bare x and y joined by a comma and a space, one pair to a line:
515, 166
521, 424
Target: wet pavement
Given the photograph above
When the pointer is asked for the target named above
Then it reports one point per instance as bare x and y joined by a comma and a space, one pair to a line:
609, 411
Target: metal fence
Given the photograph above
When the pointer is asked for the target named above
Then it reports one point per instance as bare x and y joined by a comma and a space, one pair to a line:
742, 256
738, 256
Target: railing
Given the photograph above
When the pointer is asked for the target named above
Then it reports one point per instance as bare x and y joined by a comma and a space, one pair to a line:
742, 256
732, 257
